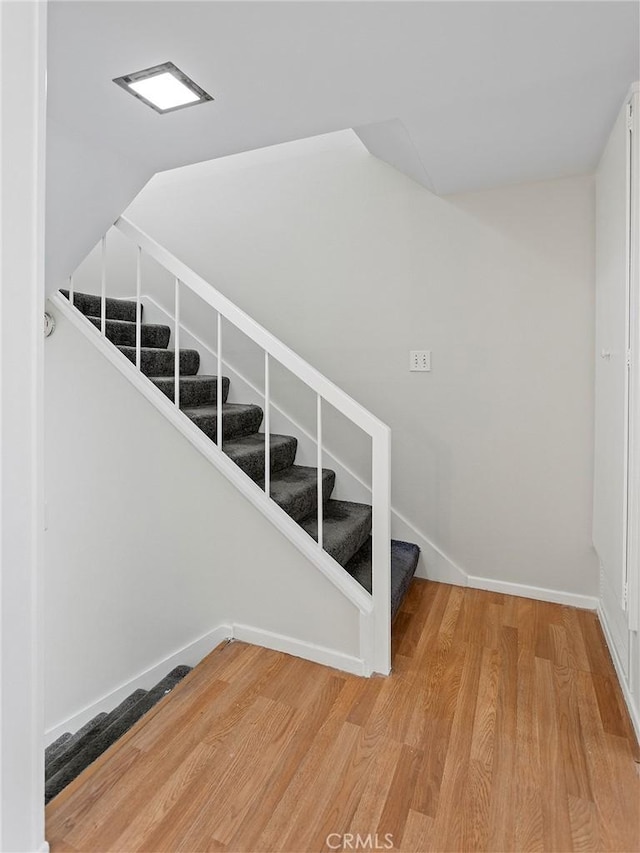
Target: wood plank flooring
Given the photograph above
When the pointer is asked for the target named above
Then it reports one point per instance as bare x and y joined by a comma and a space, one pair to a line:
501, 728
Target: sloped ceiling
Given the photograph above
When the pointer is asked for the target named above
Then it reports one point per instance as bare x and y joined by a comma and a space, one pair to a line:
463, 95
490, 93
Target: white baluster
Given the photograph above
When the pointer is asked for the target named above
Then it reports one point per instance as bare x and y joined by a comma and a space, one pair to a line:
176, 360
319, 466
267, 445
71, 294
219, 386
381, 546
138, 306
103, 287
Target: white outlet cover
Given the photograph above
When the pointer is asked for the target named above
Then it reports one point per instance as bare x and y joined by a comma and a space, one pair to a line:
420, 360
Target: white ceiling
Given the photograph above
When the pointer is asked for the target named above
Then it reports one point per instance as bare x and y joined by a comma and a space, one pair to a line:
478, 94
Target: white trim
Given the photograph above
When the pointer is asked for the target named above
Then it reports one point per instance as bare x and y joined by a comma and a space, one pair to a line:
44, 847
434, 564
191, 654
366, 642
633, 480
330, 392
196, 651
23, 49
349, 587
634, 89
628, 698
539, 593
299, 648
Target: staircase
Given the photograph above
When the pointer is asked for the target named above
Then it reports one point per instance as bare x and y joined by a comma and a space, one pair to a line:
69, 755
346, 526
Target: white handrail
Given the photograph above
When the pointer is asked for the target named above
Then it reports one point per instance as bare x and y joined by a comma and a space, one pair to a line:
280, 351
380, 627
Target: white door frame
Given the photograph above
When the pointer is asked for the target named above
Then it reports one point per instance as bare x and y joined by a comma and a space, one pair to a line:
23, 39
633, 502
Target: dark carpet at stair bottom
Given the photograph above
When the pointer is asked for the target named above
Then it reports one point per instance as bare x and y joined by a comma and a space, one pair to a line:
69, 756
404, 559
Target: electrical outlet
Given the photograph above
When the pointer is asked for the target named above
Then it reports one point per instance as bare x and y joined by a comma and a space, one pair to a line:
420, 359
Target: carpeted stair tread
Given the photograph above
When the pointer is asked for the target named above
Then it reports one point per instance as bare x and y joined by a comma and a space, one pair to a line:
295, 490
345, 528
123, 333
91, 306
160, 362
404, 560
248, 453
238, 419
83, 737
198, 390
54, 762
106, 735
55, 748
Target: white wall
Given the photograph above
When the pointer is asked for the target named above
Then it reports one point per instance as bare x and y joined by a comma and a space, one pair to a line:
88, 187
22, 123
353, 265
148, 547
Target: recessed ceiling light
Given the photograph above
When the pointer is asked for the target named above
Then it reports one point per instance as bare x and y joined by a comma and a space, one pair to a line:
163, 87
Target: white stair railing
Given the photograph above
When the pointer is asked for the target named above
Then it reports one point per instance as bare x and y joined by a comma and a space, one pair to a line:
376, 624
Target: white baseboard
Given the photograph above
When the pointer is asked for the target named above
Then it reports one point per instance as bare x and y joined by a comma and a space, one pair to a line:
434, 564
44, 847
634, 712
191, 654
299, 648
556, 596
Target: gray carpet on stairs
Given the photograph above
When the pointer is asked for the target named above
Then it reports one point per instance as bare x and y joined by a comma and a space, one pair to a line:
295, 489
345, 528
91, 306
123, 333
248, 453
69, 757
194, 390
404, 559
238, 419
161, 362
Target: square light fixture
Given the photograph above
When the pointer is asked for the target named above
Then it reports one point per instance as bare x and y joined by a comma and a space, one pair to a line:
163, 87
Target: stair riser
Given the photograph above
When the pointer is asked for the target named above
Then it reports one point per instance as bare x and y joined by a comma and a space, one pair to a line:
234, 424
202, 393
91, 306
280, 457
125, 335
161, 362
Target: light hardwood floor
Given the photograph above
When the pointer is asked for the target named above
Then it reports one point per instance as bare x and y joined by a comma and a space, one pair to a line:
501, 728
